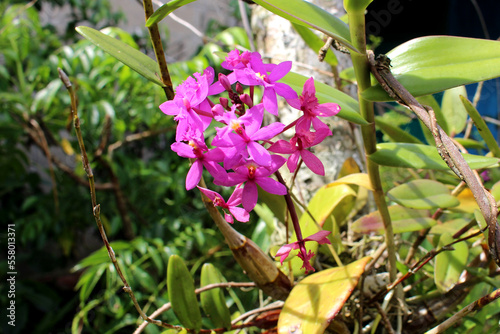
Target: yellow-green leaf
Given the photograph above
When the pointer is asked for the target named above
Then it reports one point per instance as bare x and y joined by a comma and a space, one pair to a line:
423, 194
359, 179
431, 64
213, 301
403, 220
318, 298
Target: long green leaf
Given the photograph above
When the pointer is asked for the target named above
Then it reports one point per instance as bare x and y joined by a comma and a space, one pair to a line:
431, 64
131, 57
422, 156
309, 15
166, 9
325, 93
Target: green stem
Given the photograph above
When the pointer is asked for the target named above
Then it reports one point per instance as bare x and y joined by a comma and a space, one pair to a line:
362, 72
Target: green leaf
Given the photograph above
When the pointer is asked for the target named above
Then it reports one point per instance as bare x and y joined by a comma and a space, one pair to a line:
131, 57
315, 43
316, 300
449, 264
324, 93
164, 10
423, 194
403, 220
432, 64
213, 301
180, 285
422, 157
454, 111
309, 15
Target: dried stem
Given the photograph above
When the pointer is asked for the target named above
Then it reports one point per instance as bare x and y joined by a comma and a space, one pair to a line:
96, 209
472, 307
446, 148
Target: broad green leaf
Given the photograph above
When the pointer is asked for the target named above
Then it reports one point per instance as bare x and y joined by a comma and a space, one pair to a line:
495, 191
454, 111
316, 300
422, 157
131, 57
349, 106
180, 285
395, 132
164, 10
427, 65
315, 43
309, 15
213, 301
451, 227
403, 220
359, 179
423, 194
449, 264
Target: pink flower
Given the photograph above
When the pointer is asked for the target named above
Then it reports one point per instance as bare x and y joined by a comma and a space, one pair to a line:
203, 157
231, 205
285, 250
308, 103
257, 75
297, 148
241, 134
252, 175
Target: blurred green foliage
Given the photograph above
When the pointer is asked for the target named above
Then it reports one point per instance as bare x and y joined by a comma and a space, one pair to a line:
50, 203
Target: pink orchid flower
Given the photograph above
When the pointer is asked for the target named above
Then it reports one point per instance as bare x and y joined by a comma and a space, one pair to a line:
284, 251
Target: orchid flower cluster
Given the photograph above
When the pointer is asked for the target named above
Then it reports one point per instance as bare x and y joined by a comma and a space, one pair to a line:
243, 153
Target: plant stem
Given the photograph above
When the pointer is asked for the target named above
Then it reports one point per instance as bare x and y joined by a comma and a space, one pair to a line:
154, 33
362, 72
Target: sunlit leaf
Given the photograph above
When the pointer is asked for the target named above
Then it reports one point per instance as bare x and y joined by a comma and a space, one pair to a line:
166, 9
449, 264
427, 65
309, 15
422, 156
403, 220
454, 111
131, 57
359, 179
423, 194
318, 298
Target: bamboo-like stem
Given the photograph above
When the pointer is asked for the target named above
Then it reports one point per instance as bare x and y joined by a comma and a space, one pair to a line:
154, 33
362, 72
